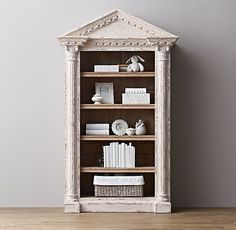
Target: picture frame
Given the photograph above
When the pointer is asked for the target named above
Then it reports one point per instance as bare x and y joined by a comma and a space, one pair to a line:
106, 91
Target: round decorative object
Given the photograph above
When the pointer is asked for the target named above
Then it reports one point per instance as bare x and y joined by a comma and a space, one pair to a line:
119, 127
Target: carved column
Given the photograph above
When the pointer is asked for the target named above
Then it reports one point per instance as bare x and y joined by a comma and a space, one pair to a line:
72, 129
162, 126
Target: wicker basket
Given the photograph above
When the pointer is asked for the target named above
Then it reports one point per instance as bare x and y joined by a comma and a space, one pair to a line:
118, 190
117, 186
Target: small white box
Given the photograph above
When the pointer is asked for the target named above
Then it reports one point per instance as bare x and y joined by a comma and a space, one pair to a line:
106, 68
135, 98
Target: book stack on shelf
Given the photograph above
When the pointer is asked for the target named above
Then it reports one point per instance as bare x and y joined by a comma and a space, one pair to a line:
135, 96
97, 129
119, 155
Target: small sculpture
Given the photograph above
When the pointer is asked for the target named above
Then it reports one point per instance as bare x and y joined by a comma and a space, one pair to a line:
97, 98
140, 128
135, 66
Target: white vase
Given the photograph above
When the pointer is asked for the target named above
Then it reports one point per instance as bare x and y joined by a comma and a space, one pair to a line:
140, 130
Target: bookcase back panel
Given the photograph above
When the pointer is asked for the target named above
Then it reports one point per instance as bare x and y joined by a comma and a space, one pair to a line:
109, 116
91, 58
119, 85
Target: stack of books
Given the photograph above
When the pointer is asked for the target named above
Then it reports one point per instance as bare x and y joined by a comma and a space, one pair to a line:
135, 96
119, 155
97, 129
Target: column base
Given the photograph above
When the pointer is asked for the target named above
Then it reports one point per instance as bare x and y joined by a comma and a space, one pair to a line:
162, 207
72, 207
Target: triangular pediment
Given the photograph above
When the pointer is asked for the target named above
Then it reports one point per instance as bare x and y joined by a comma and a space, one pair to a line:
118, 24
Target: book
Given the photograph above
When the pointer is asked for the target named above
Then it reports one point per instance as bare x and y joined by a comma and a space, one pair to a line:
97, 132
104, 126
135, 90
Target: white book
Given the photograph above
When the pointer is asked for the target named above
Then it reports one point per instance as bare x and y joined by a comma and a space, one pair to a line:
135, 90
133, 158
130, 155
97, 126
102, 132
117, 154
114, 154
104, 156
111, 155
108, 157
125, 156
122, 155
119, 161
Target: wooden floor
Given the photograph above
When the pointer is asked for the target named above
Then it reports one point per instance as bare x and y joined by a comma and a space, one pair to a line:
54, 218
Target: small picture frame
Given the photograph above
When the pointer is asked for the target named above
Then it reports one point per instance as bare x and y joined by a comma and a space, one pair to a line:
106, 91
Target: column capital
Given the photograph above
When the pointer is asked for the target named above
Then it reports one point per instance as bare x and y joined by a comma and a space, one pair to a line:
71, 52
163, 52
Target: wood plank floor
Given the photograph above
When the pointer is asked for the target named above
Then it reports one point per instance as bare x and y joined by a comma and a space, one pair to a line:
54, 218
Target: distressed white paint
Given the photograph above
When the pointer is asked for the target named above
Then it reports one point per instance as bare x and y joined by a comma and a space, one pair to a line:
119, 31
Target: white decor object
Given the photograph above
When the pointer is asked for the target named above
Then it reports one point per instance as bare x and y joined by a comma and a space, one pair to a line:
106, 68
135, 98
119, 127
117, 31
106, 91
97, 98
92, 126
140, 128
130, 131
135, 66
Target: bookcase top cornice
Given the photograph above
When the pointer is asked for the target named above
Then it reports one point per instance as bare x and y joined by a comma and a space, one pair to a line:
118, 28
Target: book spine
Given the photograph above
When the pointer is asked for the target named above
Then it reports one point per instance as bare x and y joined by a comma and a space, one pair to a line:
114, 154
97, 126
119, 161
97, 132
117, 154
104, 156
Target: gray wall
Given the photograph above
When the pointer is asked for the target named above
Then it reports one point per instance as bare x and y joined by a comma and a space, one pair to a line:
203, 96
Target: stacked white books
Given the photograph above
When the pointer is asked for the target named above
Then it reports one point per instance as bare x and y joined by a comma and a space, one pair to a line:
135, 96
119, 155
97, 129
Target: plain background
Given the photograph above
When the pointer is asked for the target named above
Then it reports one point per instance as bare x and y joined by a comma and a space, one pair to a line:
32, 96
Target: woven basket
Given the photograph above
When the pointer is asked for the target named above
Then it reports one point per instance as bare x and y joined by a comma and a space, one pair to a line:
118, 190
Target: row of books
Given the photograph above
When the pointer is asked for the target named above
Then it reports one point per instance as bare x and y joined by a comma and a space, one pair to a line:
97, 129
119, 155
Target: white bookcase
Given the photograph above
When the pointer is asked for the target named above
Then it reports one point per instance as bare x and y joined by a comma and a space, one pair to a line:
112, 39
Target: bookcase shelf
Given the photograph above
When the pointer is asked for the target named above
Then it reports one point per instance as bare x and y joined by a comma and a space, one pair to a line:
117, 138
118, 106
118, 74
117, 170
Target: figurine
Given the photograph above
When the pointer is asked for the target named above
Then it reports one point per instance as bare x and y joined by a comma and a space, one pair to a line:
140, 128
135, 66
97, 98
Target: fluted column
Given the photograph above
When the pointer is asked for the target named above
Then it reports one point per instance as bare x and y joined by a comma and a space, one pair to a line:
71, 92
162, 123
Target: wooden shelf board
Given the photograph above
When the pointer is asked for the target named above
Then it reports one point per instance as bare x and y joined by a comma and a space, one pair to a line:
118, 106
117, 138
118, 74
117, 170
